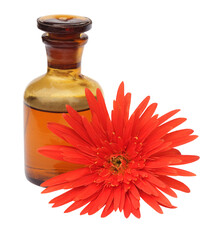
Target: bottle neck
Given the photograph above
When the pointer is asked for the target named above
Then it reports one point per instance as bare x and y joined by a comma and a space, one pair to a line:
64, 52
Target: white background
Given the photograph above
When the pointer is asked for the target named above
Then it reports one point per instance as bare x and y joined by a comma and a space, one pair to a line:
158, 48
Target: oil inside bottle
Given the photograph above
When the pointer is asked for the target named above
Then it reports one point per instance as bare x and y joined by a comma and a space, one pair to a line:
36, 134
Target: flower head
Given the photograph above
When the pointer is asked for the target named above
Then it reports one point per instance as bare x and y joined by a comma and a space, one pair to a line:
124, 159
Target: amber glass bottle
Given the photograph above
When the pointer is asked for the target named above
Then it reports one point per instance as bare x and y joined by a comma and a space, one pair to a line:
45, 98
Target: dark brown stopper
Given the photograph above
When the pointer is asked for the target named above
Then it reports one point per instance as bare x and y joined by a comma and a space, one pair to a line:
64, 24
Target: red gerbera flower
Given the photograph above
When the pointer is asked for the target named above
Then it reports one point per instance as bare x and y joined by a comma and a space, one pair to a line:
123, 158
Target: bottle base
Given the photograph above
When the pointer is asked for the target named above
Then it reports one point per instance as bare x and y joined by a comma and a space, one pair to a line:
35, 176
38, 176
34, 181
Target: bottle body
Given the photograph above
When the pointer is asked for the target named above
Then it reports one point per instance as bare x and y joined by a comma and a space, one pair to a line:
46, 97
44, 101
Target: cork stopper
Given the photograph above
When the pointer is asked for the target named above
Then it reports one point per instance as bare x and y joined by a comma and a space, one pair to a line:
64, 24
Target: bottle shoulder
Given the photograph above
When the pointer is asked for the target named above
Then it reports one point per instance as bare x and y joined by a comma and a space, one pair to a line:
51, 92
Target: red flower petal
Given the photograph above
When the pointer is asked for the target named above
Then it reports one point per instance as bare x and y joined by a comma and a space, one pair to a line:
80, 203
139, 110
67, 134
169, 153
174, 123
162, 200
100, 201
65, 197
91, 132
83, 181
109, 202
168, 191
147, 115
67, 177
173, 183
162, 147
127, 206
134, 202
148, 128
167, 116
151, 202
181, 172
54, 188
87, 208
65, 153
74, 114
117, 197
141, 107
134, 191
178, 134
163, 161
102, 106
107, 211
88, 191
146, 187
154, 180
183, 140
188, 159
136, 212
122, 201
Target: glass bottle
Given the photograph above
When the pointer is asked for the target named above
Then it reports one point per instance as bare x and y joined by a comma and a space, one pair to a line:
46, 97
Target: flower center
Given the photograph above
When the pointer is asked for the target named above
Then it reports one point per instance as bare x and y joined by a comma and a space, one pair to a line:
118, 163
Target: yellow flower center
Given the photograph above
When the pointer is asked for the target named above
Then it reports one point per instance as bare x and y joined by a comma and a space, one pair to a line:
118, 163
